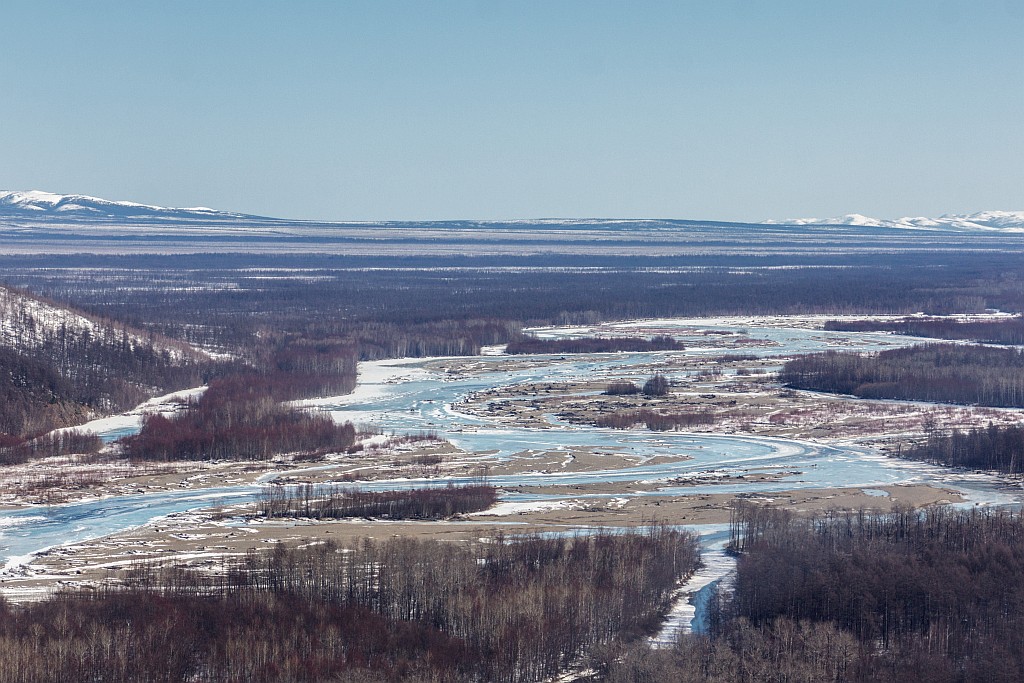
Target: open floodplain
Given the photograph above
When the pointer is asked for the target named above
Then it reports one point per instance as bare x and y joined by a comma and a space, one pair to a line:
512, 343
439, 398
528, 424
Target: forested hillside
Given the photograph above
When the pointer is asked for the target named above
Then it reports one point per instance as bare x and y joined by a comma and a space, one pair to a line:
58, 366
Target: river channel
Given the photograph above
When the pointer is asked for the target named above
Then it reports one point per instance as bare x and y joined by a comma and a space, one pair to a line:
413, 395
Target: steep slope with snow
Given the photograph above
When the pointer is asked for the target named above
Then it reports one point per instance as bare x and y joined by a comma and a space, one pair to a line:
59, 367
27, 323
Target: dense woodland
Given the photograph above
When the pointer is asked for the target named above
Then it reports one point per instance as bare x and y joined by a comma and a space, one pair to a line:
514, 609
992, 448
902, 597
934, 596
1002, 331
238, 418
250, 306
34, 398
428, 305
57, 374
14, 449
947, 373
931, 597
339, 502
528, 344
621, 388
655, 420
656, 385
53, 377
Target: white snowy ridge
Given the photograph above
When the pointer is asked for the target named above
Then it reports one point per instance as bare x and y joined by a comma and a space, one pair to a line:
27, 323
37, 202
1001, 221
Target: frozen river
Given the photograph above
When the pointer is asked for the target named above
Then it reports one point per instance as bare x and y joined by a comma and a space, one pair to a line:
411, 396
408, 396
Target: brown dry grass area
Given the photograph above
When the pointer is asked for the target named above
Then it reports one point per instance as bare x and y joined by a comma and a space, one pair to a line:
210, 539
205, 539
63, 479
66, 479
715, 508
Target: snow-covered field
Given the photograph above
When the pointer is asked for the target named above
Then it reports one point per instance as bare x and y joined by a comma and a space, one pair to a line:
114, 426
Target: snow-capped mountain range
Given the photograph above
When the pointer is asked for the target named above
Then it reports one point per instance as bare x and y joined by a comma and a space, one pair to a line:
1004, 221
37, 203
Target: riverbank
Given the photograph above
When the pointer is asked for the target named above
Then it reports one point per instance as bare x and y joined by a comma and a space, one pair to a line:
211, 539
526, 424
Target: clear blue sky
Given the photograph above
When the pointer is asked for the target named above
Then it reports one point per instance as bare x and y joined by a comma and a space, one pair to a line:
721, 109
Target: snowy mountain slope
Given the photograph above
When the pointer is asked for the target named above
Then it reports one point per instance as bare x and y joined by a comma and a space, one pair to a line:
28, 323
60, 367
35, 203
1003, 221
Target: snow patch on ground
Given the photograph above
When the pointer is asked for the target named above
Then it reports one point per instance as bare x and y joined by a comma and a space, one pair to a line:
505, 509
688, 613
497, 350
373, 376
132, 420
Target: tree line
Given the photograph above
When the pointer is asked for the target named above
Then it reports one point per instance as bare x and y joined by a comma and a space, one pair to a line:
933, 596
987, 448
417, 306
528, 344
54, 374
237, 418
948, 373
410, 305
657, 385
1001, 331
15, 450
509, 610
655, 420
337, 502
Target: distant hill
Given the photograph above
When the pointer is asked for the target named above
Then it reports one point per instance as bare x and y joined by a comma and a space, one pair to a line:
38, 204
45, 223
35, 203
999, 221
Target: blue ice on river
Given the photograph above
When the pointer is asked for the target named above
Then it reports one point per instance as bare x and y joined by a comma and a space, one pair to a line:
408, 396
